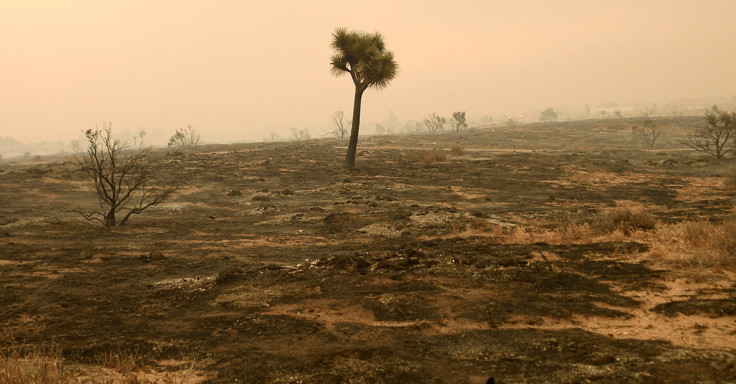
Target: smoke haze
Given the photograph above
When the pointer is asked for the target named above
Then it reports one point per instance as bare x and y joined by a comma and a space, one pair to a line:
241, 70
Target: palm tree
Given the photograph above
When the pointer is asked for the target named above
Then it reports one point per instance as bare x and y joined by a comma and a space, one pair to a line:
365, 58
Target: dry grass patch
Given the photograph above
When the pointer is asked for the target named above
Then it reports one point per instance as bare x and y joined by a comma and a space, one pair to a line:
731, 181
426, 156
592, 176
457, 150
697, 187
698, 244
625, 221
518, 235
627, 217
571, 232
19, 365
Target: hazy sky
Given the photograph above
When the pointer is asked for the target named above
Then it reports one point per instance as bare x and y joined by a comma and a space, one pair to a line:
239, 70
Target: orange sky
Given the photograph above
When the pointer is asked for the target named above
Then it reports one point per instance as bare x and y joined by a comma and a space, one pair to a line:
239, 70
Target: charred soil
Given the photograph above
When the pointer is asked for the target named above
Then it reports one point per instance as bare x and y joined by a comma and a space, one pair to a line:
273, 264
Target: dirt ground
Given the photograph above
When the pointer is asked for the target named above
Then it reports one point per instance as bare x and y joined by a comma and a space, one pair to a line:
271, 263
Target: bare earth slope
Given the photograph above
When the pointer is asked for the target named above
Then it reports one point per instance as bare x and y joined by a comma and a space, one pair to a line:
279, 266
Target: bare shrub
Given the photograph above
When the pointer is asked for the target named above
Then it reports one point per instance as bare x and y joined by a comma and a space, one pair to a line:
646, 133
434, 123
272, 138
183, 138
713, 137
459, 122
626, 218
298, 135
120, 178
341, 125
457, 150
426, 156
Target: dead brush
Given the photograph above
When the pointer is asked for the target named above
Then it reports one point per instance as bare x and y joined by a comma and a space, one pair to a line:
698, 244
570, 231
124, 365
426, 156
21, 365
479, 224
457, 150
626, 217
517, 235
731, 181
567, 227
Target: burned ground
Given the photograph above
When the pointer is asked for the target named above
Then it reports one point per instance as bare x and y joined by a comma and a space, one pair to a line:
272, 264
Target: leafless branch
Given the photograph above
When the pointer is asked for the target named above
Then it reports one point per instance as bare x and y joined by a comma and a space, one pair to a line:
120, 180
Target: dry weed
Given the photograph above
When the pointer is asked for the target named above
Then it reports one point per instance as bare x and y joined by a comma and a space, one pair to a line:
19, 365
626, 217
569, 229
124, 365
518, 235
731, 181
572, 232
25, 365
426, 156
591, 176
697, 187
698, 244
457, 150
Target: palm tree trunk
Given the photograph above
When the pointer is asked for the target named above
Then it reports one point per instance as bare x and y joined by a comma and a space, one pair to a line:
353, 143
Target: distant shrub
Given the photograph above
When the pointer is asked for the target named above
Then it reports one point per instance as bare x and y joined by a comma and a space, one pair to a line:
184, 138
298, 135
342, 126
459, 122
457, 150
434, 123
548, 114
426, 156
646, 133
626, 218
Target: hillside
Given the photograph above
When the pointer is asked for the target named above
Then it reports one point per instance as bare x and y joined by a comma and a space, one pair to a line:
548, 252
